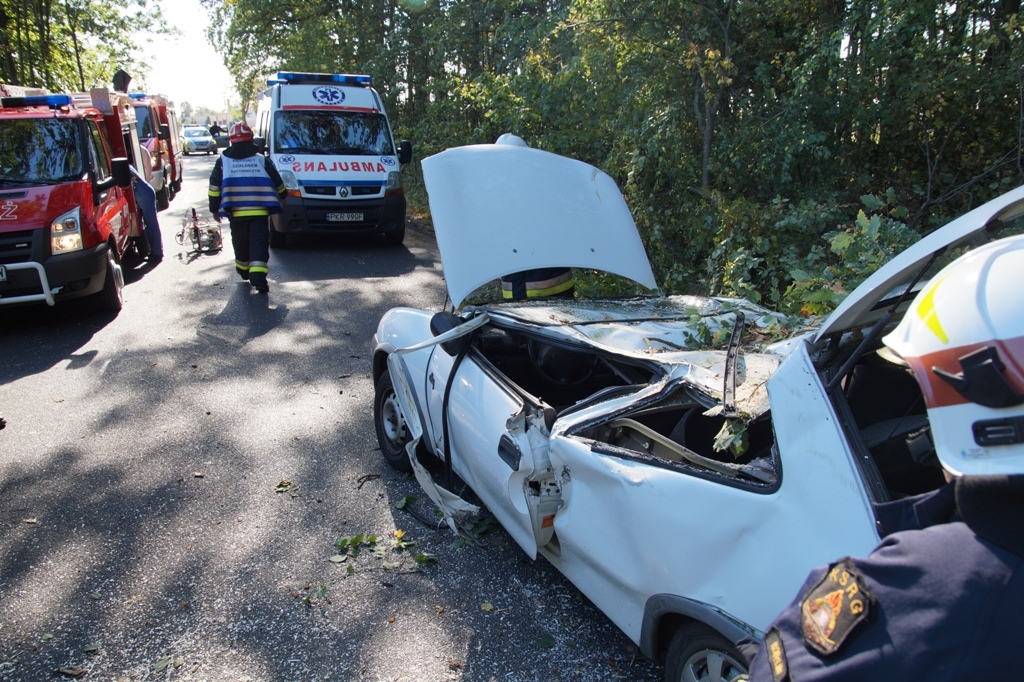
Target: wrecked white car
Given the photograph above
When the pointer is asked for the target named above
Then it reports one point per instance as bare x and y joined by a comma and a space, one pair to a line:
680, 460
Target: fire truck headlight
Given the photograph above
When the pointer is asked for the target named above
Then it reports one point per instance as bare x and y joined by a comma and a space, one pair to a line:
66, 233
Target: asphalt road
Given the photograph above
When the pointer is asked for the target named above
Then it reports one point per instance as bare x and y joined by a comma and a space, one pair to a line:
174, 482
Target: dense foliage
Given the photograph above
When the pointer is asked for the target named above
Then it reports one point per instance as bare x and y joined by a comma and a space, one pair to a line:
778, 150
71, 45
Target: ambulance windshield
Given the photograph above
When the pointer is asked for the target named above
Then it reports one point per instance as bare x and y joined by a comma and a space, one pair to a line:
39, 152
332, 132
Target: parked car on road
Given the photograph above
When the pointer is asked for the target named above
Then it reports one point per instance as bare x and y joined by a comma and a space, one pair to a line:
683, 460
197, 140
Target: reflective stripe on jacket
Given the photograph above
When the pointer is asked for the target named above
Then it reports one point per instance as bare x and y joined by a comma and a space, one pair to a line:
540, 283
246, 189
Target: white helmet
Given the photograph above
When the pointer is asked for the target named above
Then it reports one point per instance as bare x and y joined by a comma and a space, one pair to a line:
509, 138
963, 337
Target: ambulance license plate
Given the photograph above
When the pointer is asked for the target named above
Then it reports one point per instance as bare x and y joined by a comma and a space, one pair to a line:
3, 274
344, 217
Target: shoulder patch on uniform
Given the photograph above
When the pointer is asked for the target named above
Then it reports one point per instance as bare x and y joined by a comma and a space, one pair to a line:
777, 662
835, 607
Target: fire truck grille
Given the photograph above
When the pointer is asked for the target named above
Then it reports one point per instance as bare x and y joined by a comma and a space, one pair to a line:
16, 247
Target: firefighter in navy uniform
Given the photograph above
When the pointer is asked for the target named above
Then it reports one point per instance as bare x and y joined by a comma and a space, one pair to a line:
246, 188
942, 596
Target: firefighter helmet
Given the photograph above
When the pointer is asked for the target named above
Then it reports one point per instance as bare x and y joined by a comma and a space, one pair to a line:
963, 337
240, 133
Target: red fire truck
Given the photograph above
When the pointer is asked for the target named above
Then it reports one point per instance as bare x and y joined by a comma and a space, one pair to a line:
158, 129
68, 219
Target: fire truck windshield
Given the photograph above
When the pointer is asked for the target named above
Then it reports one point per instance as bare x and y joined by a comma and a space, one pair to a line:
332, 132
144, 122
39, 151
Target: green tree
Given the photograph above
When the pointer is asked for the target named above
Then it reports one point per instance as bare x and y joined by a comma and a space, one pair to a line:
72, 45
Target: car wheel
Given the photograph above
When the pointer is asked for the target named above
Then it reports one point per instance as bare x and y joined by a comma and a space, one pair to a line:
699, 654
392, 432
162, 199
277, 239
110, 299
395, 237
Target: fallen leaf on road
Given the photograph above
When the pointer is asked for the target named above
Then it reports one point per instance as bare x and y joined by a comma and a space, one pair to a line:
546, 641
487, 606
72, 671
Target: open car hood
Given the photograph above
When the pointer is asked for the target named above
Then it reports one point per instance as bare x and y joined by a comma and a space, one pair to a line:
499, 209
861, 308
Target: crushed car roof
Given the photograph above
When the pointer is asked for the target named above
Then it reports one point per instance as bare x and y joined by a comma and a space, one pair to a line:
499, 209
686, 335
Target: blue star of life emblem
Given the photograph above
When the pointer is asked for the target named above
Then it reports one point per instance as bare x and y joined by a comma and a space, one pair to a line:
326, 94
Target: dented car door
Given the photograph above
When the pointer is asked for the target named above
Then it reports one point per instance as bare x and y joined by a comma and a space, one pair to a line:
498, 442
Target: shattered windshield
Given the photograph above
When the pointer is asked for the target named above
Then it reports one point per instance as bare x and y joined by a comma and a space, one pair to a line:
39, 152
332, 132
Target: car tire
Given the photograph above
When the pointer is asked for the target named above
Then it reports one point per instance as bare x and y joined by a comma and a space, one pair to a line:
388, 420
278, 240
162, 200
110, 299
699, 654
396, 236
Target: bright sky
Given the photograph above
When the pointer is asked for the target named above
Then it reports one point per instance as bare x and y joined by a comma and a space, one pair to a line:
186, 68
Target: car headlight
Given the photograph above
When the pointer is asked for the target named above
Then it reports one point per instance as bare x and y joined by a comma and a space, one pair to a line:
289, 180
66, 233
394, 185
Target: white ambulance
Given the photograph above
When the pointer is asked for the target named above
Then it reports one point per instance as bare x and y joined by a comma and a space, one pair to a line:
330, 139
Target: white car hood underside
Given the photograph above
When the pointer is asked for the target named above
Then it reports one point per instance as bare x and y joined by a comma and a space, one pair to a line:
499, 209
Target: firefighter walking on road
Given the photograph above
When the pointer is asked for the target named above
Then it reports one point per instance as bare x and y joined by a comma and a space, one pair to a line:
247, 189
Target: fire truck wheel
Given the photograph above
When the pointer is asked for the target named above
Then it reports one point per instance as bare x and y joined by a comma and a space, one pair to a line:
110, 299
162, 201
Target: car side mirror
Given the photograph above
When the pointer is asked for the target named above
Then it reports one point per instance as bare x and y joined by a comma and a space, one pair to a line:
446, 321
404, 152
121, 173
165, 132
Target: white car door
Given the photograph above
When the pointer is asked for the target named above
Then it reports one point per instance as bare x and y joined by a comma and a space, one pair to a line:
498, 443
